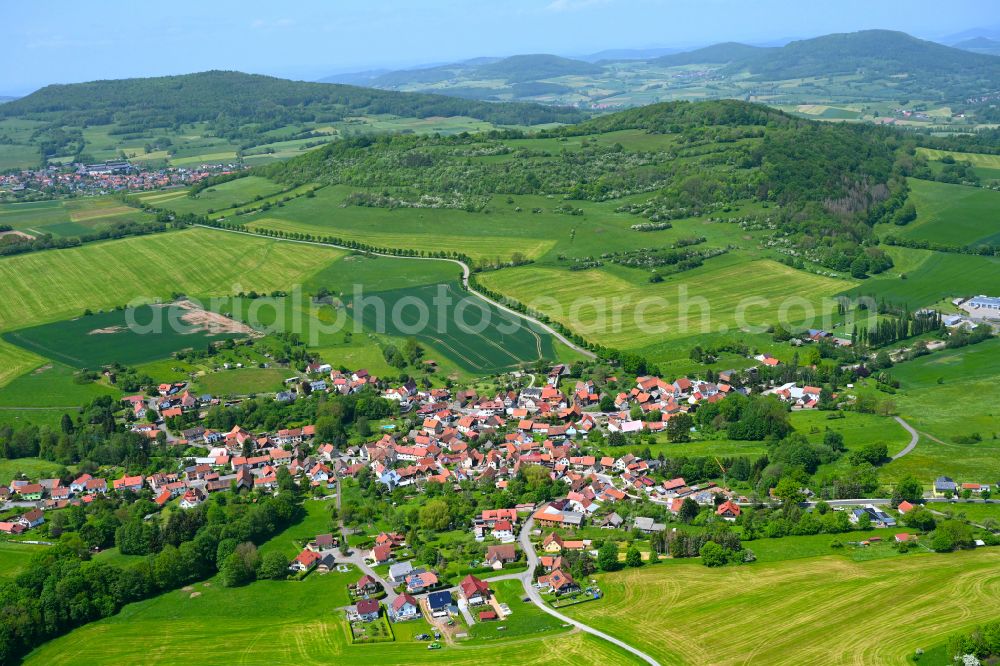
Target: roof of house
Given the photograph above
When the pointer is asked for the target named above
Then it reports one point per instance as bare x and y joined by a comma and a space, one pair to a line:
439, 599
367, 607
471, 585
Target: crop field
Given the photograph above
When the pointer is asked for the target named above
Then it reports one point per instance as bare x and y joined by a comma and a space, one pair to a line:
951, 214
931, 277
271, 622
127, 336
714, 294
68, 217
50, 286
478, 336
15, 361
829, 608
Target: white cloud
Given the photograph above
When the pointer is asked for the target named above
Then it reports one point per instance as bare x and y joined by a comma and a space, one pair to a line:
573, 5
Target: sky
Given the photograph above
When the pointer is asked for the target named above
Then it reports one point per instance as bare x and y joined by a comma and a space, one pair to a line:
65, 41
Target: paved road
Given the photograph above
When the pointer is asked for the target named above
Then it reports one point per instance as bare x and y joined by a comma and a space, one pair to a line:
914, 436
536, 598
465, 283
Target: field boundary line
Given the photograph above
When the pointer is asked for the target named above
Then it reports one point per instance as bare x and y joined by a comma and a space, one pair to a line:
465, 281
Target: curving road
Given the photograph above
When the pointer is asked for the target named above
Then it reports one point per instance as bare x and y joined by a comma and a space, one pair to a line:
529, 550
465, 282
913, 438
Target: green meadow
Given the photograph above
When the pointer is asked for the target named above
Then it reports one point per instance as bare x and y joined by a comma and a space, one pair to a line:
14, 557
710, 300
64, 218
922, 277
828, 607
951, 214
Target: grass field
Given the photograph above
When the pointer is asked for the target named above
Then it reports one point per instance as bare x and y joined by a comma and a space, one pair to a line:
287, 622
497, 233
828, 610
713, 291
931, 277
50, 286
51, 385
15, 361
69, 217
962, 404
242, 381
32, 467
218, 197
14, 557
951, 214
986, 166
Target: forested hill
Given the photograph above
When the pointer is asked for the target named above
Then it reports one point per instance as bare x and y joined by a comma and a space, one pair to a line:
877, 53
232, 99
825, 184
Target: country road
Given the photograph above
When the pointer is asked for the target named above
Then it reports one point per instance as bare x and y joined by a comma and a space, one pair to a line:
526, 580
914, 436
465, 282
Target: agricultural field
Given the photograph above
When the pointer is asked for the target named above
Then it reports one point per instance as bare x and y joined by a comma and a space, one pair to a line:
14, 361
51, 386
714, 298
67, 218
247, 621
129, 336
242, 381
827, 607
55, 285
951, 214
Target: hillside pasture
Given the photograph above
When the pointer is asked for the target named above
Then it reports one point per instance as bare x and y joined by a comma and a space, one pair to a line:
951, 214
14, 557
56, 285
15, 361
931, 277
217, 197
828, 608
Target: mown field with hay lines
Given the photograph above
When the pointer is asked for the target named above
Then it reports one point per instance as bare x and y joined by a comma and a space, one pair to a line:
60, 284
823, 610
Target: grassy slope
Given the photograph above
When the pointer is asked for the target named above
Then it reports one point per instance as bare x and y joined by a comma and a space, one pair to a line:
820, 610
718, 283
48, 286
962, 404
15, 361
14, 558
951, 214
932, 276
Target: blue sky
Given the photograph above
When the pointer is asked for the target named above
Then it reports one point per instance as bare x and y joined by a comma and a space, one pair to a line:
63, 41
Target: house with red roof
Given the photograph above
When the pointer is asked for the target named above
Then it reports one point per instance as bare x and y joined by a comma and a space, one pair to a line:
728, 510
304, 561
475, 591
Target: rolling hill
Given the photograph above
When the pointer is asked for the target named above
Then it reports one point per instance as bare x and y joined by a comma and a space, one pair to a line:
865, 66
983, 45
230, 99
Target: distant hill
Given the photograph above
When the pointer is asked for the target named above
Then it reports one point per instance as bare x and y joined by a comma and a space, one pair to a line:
4, 99
230, 100
866, 66
726, 52
521, 68
983, 45
628, 54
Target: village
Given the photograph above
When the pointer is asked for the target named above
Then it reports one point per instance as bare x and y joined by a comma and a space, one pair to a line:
459, 440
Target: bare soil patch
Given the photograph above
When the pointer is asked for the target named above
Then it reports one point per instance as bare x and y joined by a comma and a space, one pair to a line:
109, 330
204, 321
